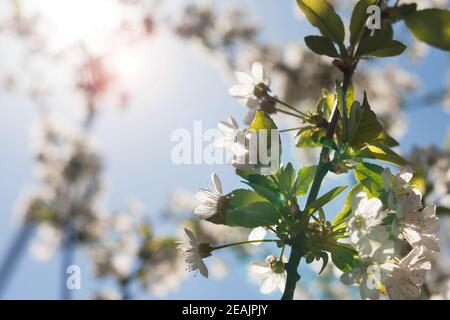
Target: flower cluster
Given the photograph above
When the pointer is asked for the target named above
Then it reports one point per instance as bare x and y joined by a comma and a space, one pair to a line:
392, 239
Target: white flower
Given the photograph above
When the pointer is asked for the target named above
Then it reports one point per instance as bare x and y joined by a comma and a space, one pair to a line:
270, 273
410, 200
208, 200
404, 280
181, 200
365, 277
396, 185
234, 139
258, 233
420, 227
368, 274
245, 90
192, 253
364, 229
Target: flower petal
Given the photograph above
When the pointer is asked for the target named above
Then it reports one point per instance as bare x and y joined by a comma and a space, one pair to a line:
216, 181
282, 281
226, 128
190, 237
240, 91
258, 233
258, 72
259, 267
244, 79
202, 268
268, 284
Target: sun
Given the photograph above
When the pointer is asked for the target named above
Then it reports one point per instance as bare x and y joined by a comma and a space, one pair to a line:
73, 21
142, 66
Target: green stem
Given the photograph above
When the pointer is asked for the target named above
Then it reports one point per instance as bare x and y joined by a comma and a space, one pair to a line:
241, 243
322, 169
290, 113
293, 129
292, 274
287, 106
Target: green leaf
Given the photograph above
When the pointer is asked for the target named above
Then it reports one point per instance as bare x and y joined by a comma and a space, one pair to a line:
329, 143
380, 46
341, 216
387, 140
359, 19
309, 137
263, 186
269, 194
242, 197
344, 257
246, 208
262, 121
323, 200
330, 98
323, 16
258, 214
304, 179
364, 125
287, 178
386, 31
369, 175
431, 26
322, 46
324, 257
378, 151
350, 97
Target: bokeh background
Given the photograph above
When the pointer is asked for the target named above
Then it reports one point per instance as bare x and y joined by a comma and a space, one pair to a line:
116, 78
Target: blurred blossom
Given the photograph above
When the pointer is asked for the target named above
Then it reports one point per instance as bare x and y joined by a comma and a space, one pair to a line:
213, 233
433, 165
94, 76
166, 277
46, 242
107, 294
443, 293
180, 201
418, 50
115, 252
218, 268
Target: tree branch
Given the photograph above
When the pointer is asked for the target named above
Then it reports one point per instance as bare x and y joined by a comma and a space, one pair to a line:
297, 250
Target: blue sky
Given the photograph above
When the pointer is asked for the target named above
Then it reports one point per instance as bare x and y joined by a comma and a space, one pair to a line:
136, 147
